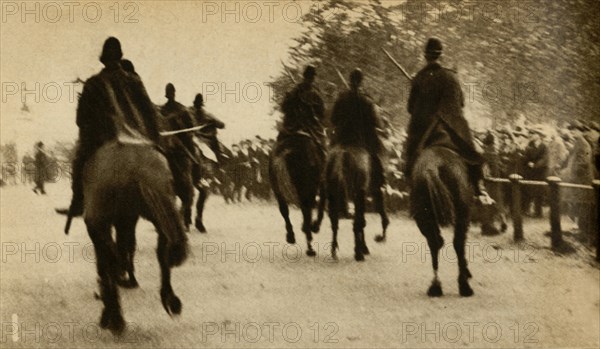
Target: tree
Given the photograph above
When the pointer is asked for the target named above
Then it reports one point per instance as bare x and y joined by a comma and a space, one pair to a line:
535, 59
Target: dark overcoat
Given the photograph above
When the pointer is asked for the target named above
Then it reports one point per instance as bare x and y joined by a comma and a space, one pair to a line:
175, 116
355, 122
303, 110
114, 104
436, 106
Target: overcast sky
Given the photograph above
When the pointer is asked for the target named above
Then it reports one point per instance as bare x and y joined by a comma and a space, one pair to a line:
195, 45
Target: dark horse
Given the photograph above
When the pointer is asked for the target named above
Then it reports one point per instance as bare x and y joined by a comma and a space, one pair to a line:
295, 168
441, 195
348, 176
189, 170
122, 182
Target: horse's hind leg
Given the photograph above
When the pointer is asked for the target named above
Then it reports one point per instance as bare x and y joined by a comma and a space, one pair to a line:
126, 244
431, 231
170, 301
107, 263
334, 212
285, 213
202, 196
460, 233
306, 227
185, 191
379, 201
360, 247
187, 200
316, 225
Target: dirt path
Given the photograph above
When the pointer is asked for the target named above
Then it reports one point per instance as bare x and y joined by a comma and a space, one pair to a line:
244, 287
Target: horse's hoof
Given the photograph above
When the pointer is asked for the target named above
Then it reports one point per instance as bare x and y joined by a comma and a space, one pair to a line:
315, 227
359, 257
435, 290
131, 283
175, 305
334, 255
380, 238
465, 289
311, 253
112, 321
365, 250
172, 304
201, 228
290, 239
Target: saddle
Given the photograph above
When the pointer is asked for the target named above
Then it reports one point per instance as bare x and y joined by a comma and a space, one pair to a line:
286, 136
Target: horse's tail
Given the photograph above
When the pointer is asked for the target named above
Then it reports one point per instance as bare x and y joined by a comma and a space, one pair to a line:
430, 193
283, 181
348, 172
165, 216
336, 181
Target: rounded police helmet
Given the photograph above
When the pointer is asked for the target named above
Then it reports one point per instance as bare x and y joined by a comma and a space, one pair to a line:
356, 77
434, 48
309, 72
111, 51
169, 90
199, 100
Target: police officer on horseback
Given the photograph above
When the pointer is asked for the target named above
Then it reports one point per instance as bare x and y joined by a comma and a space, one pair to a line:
304, 111
435, 105
113, 104
356, 123
211, 125
176, 117
180, 150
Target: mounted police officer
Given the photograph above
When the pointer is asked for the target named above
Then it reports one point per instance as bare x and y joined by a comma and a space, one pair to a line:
180, 150
304, 111
435, 105
114, 104
211, 124
355, 123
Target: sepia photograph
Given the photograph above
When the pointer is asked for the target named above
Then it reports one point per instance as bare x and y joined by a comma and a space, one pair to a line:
300, 174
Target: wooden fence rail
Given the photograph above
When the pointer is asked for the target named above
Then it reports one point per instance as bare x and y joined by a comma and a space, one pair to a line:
554, 184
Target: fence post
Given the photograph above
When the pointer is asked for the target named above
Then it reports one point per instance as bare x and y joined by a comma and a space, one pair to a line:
517, 218
597, 213
555, 228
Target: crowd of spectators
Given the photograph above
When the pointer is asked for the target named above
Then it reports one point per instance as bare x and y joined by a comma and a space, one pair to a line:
534, 152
